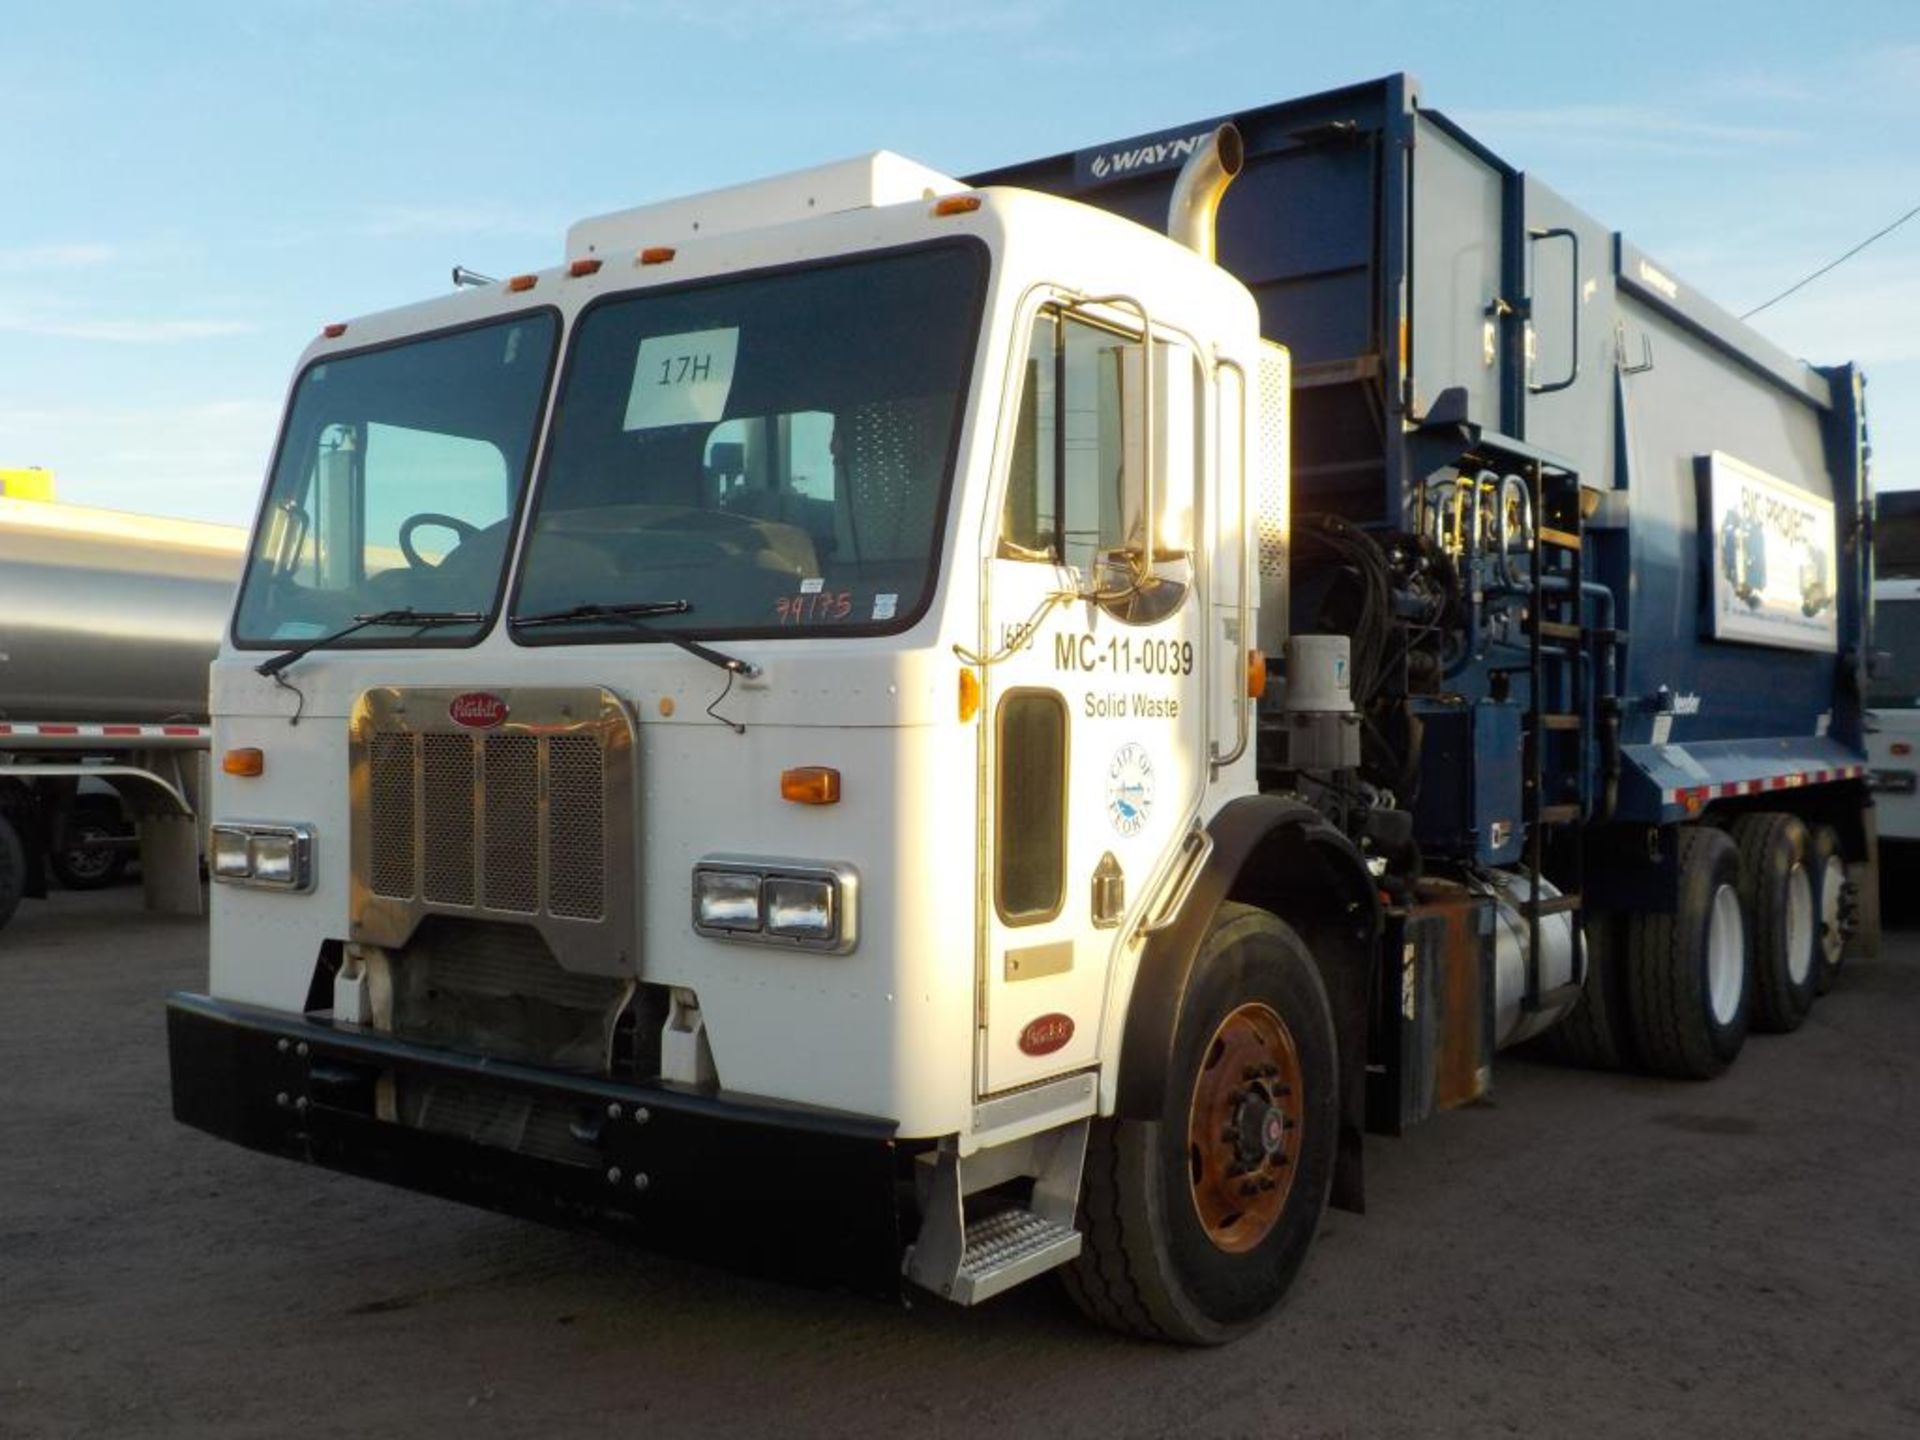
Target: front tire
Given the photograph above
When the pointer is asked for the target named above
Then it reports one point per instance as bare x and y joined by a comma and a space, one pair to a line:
1198, 1221
1689, 970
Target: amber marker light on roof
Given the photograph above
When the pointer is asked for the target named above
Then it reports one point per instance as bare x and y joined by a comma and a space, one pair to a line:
523, 282
656, 255
957, 205
810, 785
583, 267
335, 330
247, 761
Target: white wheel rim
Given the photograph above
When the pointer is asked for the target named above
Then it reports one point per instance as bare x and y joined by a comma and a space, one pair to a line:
1800, 936
1833, 879
1726, 955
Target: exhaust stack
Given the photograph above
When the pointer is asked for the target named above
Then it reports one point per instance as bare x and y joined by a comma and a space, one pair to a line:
1197, 191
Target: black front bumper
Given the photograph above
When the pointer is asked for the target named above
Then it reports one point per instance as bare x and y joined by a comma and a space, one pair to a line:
772, 1188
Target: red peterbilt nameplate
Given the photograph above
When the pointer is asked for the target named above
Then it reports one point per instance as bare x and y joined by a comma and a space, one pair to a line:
1047, 1034
477, 710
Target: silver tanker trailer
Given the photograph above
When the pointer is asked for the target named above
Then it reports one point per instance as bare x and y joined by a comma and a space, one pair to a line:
107, 624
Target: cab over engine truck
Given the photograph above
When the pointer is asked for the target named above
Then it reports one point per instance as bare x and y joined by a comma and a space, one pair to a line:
820, 731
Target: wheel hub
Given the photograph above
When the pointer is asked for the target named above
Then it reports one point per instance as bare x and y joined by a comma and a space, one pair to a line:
1243, 1127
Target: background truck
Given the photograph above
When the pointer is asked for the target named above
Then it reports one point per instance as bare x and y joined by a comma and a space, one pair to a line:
108, 622
972, 739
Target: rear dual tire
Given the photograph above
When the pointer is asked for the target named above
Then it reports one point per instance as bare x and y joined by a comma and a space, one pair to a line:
1688, 971
1780, 893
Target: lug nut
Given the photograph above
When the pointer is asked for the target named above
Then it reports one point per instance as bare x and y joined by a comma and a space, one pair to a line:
613, 1175
640, 1181
613, 1110
283, 1099
284, 1045
301, 1049
301, 1105
641, 1114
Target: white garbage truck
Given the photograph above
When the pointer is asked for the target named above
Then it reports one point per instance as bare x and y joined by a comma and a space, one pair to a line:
783, 736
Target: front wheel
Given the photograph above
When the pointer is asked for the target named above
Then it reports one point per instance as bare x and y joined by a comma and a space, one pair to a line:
1197, 1222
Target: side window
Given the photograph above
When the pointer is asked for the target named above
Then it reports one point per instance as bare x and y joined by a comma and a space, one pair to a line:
1075, 483
1030, 844
424, 472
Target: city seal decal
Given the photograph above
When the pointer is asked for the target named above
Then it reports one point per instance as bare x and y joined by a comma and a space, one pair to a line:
1130, 789
477, 710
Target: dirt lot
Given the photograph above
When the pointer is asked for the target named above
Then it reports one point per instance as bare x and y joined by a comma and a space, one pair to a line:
1590, 1255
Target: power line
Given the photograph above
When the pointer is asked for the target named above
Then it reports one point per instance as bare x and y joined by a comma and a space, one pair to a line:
1833, 263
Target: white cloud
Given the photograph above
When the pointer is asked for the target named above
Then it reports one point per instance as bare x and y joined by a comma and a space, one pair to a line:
31, 259
124, 332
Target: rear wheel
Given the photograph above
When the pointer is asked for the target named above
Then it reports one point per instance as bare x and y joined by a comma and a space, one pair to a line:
1197, 1222
1828, 866
1777, 889
1688, 971
13, 870
89, 859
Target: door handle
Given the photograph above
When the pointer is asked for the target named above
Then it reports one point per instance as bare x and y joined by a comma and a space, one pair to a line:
1561, 232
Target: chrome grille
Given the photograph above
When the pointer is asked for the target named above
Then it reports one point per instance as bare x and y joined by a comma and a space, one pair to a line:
576, 827
447, 818
524, 820
390, 800
511, 823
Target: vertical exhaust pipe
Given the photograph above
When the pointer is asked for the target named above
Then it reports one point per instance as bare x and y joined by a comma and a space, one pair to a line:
1197, 191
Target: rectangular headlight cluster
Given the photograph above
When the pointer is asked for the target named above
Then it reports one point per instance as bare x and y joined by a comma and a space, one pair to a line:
275, 857
811, 907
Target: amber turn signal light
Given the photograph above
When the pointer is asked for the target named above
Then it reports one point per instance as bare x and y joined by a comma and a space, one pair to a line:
247, 761
335, 330
969, 695
1256, 674
957, 205
810, 785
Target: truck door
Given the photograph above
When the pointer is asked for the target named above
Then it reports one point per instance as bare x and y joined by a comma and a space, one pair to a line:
1094, 696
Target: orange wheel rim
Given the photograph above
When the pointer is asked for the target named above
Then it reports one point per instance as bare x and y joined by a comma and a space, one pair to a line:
1243, 1127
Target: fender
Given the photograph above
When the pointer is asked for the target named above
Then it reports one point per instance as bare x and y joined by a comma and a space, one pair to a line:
1280, 854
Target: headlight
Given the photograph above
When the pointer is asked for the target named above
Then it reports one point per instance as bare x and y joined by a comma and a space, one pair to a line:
776, 902
801, 909
275, 857
726, 900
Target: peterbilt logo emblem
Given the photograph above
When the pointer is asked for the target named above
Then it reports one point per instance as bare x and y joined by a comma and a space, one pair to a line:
477, 710
1047, 1034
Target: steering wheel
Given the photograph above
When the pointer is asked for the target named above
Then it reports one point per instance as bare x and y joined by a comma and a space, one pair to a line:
461, 529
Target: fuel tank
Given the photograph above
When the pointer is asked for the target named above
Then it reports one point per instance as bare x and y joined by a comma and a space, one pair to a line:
110, 616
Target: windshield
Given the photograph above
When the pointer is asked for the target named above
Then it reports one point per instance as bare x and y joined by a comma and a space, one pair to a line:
1896, 630
774, 450
396, 484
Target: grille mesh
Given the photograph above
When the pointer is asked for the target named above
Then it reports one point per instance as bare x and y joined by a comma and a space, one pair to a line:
576, 860
447, 818
525, 820
511, 878
390, 796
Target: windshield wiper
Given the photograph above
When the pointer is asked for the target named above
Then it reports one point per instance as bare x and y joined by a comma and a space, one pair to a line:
419, 619
634, 616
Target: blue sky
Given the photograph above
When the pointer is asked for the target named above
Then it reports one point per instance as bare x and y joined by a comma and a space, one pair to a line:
190, 190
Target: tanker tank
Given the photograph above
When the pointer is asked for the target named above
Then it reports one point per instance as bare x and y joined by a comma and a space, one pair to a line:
107, 616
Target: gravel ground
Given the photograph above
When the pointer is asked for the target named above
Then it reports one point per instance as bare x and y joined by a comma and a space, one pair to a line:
1586, 1255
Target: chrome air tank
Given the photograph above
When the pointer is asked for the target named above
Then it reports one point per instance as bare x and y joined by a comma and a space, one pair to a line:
110, 616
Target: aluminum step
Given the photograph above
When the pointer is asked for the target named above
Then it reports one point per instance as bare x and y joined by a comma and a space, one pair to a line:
1008, 1247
